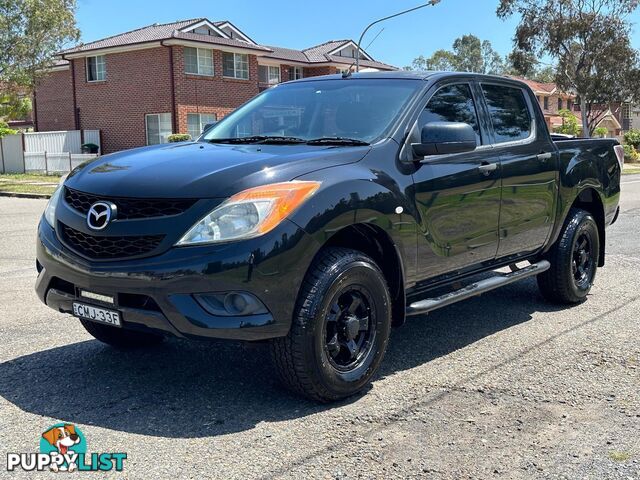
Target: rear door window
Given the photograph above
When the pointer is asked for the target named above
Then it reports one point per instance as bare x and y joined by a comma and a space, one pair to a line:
453, 103
509, 113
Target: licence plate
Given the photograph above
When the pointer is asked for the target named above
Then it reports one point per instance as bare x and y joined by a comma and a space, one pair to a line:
96, 314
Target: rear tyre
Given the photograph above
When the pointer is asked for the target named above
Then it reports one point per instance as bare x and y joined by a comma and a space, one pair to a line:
340, 328
574, 260
120, 337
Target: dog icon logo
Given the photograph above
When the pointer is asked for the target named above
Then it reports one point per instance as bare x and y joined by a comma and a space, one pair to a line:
68, 441
63, 448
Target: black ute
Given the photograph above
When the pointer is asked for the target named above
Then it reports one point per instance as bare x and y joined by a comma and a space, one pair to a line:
322, 213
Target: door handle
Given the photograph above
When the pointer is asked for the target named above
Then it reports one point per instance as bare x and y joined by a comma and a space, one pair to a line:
543, 157
486, 168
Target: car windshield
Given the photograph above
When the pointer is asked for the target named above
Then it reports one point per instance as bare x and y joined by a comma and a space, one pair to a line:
341, 111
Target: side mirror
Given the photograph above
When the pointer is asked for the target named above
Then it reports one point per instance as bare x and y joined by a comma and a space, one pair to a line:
440, 138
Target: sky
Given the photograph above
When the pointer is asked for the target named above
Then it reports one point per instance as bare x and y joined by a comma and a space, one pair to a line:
301, 24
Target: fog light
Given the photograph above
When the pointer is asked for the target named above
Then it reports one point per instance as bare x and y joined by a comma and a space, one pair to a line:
231, 304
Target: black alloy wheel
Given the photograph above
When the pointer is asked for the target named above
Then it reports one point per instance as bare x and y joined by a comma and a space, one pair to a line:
349, 329
340, 328
582, 264
574, 260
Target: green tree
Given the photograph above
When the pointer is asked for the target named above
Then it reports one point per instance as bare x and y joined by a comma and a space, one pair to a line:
441, 60
492, 62
522, 64
31, 32
527, 65
14, 106
570, 125
590, 40
468, 54
545, 74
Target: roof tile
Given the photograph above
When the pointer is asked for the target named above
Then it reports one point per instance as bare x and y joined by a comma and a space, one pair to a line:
157, 32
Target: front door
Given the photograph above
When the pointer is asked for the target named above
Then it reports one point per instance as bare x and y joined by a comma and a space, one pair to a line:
457, 195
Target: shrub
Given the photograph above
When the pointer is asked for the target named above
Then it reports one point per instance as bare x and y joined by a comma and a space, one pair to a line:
569, 125
630, 153
5, 130
632, 137
179, 137
600, 132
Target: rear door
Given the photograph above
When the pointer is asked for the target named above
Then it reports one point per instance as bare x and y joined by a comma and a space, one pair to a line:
457, 195
528, 168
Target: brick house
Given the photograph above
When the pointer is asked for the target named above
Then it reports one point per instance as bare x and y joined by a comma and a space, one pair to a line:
140, 86
551, 99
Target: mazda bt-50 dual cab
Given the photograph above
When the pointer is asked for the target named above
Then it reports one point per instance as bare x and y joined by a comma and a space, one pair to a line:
325, 211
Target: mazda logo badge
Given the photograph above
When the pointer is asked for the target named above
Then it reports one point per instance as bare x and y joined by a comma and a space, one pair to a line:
101, 214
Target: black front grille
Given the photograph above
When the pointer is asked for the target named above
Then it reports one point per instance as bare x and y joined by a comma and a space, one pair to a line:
129, 208
108, 248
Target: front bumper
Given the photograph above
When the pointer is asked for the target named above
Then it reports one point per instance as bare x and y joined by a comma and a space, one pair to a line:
157, 292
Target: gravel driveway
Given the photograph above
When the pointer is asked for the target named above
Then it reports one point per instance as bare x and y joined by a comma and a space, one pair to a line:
501, 386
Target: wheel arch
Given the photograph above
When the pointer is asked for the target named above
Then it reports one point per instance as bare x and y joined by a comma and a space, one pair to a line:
376, 243
589, 200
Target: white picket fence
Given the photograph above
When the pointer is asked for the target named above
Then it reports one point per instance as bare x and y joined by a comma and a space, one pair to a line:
44, 162
45, 152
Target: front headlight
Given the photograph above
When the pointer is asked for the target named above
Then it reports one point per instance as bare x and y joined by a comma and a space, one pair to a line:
250, 213
50, 209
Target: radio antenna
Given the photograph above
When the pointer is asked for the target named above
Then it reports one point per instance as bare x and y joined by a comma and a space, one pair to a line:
430, 3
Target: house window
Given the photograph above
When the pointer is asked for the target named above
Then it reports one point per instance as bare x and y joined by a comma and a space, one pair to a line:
626, 111
559, 104
197, 121
235, 65
295, 73
569, 104
546, 103
198, 61
96, 69
269, 75
158, 127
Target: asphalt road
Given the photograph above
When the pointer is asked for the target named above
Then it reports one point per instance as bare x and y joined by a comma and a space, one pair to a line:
501, 386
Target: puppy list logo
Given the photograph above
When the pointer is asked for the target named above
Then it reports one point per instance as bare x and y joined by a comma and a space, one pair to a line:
63, 448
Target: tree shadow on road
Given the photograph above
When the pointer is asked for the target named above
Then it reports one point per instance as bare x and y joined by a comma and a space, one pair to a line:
192, 389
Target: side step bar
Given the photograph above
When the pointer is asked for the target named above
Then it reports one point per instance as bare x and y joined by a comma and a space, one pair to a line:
425, 306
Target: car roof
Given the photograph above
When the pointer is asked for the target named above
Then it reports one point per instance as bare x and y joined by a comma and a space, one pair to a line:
416, 75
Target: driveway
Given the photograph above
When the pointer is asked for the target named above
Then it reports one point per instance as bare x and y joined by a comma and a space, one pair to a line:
501, 386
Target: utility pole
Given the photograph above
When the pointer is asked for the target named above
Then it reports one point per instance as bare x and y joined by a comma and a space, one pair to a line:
430, 3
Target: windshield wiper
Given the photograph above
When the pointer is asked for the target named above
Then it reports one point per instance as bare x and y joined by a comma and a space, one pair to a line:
336, 141
258, 139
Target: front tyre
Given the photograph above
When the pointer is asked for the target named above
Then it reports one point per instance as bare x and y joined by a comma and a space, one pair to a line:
340, 327
574, 260
120, 337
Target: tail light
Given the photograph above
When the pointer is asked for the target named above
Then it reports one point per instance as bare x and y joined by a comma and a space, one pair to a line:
619, 149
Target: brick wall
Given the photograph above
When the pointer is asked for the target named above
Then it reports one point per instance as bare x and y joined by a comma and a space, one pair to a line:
210, 94
306, 71
54, 101
317, 71
137, 83
553, 103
